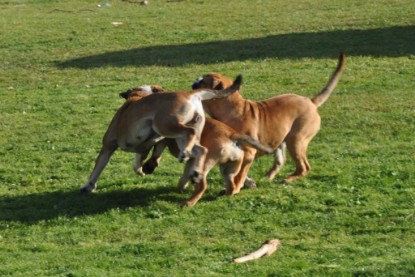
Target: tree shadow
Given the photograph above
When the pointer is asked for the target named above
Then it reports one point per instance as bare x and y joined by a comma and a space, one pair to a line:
32, 208
382, 42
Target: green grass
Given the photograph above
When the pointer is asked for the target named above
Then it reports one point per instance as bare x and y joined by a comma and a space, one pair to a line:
62, 67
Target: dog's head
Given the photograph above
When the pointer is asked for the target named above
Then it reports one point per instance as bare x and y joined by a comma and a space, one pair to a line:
215, 81
212, 81
135, 94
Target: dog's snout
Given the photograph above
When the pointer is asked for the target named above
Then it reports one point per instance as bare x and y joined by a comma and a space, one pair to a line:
197, 83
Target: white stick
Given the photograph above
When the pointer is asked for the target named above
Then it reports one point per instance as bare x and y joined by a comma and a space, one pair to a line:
267, 248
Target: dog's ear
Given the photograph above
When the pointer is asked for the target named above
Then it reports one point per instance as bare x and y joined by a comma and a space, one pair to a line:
215, 83
218, 86
157, 89
125, 94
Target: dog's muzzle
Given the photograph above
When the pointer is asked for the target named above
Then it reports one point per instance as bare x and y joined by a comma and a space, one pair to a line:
197, 83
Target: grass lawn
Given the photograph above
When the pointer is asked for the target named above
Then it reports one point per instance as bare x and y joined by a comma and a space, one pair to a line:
62, 66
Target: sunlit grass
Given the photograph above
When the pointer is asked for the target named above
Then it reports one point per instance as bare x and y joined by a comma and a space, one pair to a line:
63, 65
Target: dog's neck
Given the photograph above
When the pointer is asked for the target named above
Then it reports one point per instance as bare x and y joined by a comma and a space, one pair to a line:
228, 109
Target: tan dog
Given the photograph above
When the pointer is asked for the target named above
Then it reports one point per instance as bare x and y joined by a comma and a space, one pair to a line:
138, 125
224, 145
286, 119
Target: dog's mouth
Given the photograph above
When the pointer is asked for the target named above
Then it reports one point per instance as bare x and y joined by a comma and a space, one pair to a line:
197, 83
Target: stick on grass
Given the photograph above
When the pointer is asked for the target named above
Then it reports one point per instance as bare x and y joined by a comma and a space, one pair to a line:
267, 248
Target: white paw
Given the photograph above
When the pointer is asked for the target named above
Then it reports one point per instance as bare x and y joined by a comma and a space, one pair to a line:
139, 171
88, 187
184, 156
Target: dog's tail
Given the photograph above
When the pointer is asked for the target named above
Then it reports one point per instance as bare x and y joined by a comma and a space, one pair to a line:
249, 141
207, 94
320, 98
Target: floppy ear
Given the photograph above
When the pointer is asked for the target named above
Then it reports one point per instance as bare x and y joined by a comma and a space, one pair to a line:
215, 83
125, 94
218, 85
157, 89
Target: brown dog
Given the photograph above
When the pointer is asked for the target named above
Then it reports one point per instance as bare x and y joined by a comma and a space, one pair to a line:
225, 147
288, 119
138, 125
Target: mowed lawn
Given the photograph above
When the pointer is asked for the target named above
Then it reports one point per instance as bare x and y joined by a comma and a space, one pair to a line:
62, 65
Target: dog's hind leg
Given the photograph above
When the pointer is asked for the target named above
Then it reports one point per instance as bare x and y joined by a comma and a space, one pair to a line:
279, 161
297, 143
298, 151
229, 171
240, 178
100, 163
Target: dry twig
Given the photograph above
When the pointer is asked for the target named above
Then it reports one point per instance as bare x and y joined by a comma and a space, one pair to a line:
267, 248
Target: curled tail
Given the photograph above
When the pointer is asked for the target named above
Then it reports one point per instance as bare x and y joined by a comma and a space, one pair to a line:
320, 98
249, 141
207, 94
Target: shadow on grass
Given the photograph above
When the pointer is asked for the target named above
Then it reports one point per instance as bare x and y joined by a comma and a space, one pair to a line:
30, 209
383, 42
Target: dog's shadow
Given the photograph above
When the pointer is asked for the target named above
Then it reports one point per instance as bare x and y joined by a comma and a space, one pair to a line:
32, 208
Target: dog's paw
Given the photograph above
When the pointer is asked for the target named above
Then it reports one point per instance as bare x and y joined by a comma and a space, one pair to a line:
229, 191
250, 183
188, 204
88, 187
139, 171
149, 167
182, 187
183, 159
184, 156
282, 181
196, 177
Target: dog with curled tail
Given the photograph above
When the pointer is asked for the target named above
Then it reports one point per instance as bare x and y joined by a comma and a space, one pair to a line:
285, 121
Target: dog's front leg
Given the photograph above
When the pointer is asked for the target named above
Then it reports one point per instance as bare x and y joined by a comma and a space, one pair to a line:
100, 163
198, 192
194, 168
185, 142
187, 174
142, 151
139, 158
199, 155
